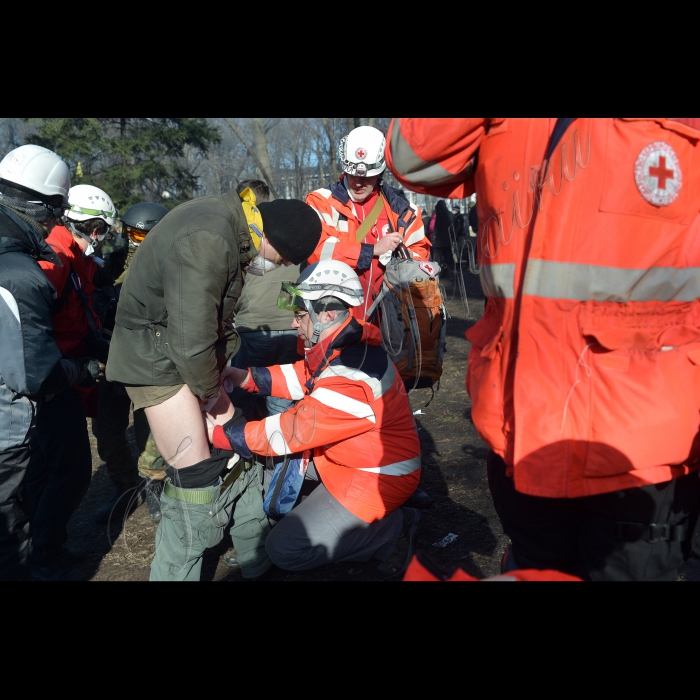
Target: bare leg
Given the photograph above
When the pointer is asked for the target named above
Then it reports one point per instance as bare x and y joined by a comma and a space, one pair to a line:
178, 429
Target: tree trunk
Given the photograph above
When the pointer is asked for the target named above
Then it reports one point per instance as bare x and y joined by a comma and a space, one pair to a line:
259, 147
332, 154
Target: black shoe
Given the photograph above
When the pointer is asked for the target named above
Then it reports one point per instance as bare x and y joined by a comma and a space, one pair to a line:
419, 499
122, 505
152, 491
407, 544
55, 572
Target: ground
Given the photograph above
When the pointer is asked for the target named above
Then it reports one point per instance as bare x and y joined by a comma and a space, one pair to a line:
460, 528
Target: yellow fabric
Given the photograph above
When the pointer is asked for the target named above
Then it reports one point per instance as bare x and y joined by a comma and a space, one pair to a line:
252, 215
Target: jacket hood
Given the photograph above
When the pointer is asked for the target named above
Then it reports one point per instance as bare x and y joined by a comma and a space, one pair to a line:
17, 235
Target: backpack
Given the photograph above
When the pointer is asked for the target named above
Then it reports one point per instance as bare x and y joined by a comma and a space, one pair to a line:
412, 319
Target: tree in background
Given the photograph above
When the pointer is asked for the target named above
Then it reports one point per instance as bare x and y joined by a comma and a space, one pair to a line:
133, 160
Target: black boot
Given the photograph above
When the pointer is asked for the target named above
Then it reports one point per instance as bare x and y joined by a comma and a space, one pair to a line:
126, 499
152, 491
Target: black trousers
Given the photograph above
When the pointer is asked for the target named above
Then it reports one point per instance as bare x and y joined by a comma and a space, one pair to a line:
637, 534
15, 545
60, 468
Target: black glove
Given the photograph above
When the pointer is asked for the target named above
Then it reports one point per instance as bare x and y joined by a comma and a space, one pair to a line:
97, 344
89, 372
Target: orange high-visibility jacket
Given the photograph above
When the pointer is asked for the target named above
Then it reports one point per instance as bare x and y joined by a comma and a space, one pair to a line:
340, 223
584, 372
355, 417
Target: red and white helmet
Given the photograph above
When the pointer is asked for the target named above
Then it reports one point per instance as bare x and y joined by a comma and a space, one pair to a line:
361, 152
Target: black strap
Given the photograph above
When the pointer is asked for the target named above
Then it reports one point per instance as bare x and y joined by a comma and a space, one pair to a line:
67, 288
559, 130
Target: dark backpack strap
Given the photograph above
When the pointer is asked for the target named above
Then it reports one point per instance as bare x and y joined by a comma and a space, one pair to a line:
559, 130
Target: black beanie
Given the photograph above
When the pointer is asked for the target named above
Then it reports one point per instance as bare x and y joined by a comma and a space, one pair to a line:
292, 226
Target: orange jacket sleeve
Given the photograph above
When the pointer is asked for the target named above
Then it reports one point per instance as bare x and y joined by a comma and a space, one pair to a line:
435, 156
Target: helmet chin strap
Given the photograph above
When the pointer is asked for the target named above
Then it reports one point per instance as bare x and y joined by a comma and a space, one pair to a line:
320, 327
90, 241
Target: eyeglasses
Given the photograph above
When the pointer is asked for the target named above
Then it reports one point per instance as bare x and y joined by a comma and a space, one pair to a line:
300, 315
94, 212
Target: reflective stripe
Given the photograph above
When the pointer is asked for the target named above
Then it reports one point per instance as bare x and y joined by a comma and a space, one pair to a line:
498, 280
324, 192
275, 438
7, 297
290, 376
328, 247
415, 236
414, 169
342, 226
559, 280
378, 387
325, 216
343, 403
395, 469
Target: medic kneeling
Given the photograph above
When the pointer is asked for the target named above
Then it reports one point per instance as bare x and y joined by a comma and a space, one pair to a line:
353, 416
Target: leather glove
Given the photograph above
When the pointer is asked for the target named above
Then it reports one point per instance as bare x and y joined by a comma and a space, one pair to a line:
89, 372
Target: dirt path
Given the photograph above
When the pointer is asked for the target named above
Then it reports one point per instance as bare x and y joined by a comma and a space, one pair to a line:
454, 474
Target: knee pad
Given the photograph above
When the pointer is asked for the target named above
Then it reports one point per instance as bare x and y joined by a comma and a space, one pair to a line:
202, 474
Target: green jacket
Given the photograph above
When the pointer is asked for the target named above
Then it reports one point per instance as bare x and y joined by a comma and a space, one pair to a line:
173, 322
257, 310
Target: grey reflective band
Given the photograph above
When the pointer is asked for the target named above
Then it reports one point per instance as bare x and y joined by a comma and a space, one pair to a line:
413, 169
498, 280
558, 280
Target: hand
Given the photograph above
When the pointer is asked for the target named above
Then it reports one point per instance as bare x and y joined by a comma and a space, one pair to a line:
232, 377
389, 243
89, 372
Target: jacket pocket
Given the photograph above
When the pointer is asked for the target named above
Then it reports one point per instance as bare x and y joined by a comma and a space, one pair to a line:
485, 380
644, 390
649, 172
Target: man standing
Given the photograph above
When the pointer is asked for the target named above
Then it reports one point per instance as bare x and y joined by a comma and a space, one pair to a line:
364, 220
172, 337
34, 184
60, 468
584, 372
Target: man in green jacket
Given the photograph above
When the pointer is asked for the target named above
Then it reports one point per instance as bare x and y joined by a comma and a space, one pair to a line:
173, 335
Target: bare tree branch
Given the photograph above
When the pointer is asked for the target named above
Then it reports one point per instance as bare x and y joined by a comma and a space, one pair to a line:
255, 158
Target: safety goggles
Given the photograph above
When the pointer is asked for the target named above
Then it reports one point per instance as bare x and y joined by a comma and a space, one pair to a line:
94, 212
290, 299
135, 234
56, 211
359, 169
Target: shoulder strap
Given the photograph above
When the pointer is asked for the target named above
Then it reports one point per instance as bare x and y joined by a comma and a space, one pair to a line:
371, 219
559, 129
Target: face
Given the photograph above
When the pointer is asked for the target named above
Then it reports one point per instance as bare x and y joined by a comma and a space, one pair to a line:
48, 226
268, 251
361, 187
305, 327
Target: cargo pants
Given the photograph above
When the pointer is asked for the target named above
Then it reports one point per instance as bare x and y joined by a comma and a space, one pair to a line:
188, 529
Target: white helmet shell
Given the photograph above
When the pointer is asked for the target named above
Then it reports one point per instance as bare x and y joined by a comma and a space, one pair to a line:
330, 278
89, 202
38, 169
361, 152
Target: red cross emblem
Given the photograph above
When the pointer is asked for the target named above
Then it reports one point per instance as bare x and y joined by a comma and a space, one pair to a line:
360, 154
657, 173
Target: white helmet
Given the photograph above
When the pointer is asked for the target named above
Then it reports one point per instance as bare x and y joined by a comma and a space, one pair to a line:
361, 152
88, 202
37, 169
328, 278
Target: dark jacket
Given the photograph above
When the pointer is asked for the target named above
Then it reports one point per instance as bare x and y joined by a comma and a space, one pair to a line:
443, 221
173, 318
28, 351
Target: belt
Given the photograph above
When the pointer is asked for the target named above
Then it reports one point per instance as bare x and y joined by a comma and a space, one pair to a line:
651, 532
204, 496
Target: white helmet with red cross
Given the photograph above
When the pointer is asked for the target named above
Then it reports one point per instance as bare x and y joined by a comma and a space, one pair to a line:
361, 152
